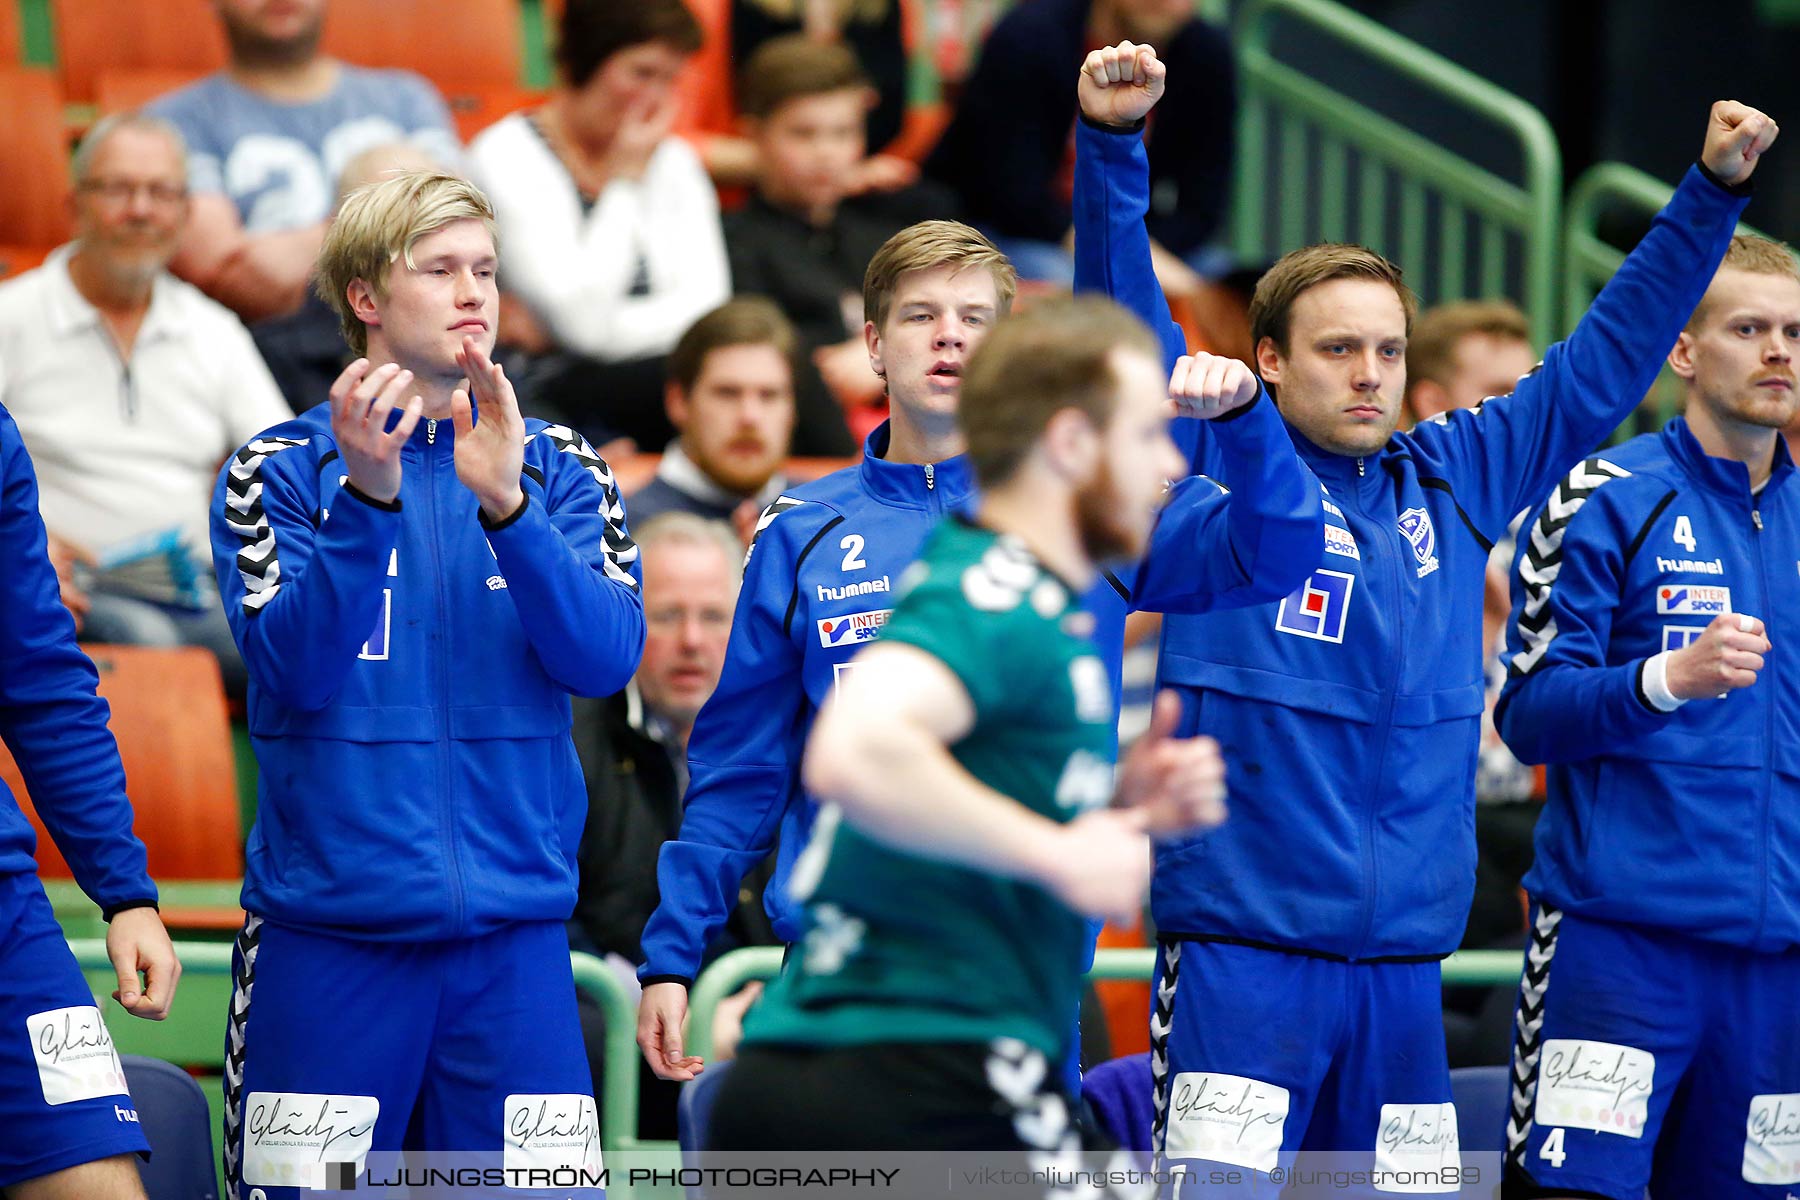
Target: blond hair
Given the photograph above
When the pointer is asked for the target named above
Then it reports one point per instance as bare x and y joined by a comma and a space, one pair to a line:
1057, 355
928, 245
379, 225
1754, 255
1272, 305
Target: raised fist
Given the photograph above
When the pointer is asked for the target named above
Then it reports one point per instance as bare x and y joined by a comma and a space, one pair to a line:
1119, 84
1736, 136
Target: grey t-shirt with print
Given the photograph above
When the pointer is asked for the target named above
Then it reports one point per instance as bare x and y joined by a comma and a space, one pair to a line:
280, 163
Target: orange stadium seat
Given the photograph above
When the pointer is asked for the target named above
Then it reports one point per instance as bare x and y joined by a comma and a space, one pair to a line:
34, 162
471, 46
94, 37
708, 103
169, 716
133, 87
12, 34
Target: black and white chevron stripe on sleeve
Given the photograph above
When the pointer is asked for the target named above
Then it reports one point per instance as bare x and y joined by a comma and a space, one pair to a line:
258, 562
621, 551
1542, 561
777, 506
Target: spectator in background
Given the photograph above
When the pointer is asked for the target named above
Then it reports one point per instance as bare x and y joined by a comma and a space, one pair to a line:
1009, 153
611, 226
633, 749
1463, 352
804, 237
130, 388
1460, 354
731, 397
267, 140
869, 29
872, 31
305, 349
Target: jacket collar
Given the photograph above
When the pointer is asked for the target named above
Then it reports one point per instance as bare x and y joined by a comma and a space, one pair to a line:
1338, 471
1726, 476
903, 484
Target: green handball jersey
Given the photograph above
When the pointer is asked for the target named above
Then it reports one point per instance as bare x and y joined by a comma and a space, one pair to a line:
900, 948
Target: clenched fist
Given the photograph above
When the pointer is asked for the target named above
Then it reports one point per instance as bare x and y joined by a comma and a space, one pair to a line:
1119, 84
1209, 385
1736, 136
1727, 656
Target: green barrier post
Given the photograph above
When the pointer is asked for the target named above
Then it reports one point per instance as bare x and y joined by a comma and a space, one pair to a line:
1311, 147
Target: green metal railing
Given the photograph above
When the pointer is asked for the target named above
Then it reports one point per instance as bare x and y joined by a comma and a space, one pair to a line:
1339, 171
1629, 198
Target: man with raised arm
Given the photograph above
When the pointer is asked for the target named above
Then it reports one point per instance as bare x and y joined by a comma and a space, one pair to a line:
1655, 1044
819, 581
418, 578
1349, 711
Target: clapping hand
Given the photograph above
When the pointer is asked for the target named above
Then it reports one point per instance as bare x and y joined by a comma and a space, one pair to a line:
361, 402
490, 433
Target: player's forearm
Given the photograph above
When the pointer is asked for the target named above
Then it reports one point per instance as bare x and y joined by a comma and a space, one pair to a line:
1112, 245
899, 785
697, 885
56, 728
1253, 543
1275, 519
1594, 379
1560, 713
50, 715
583, 616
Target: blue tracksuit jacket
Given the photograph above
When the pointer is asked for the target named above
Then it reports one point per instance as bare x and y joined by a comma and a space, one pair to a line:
410, 672
1684, 820
818, 583
50, 717
1349, 711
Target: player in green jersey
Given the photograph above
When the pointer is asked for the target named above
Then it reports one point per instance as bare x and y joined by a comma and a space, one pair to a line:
974, 817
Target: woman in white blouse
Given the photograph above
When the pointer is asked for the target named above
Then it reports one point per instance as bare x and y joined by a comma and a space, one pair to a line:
609, 223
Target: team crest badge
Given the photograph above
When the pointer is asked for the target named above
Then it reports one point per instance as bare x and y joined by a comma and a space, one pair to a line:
1416, 528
